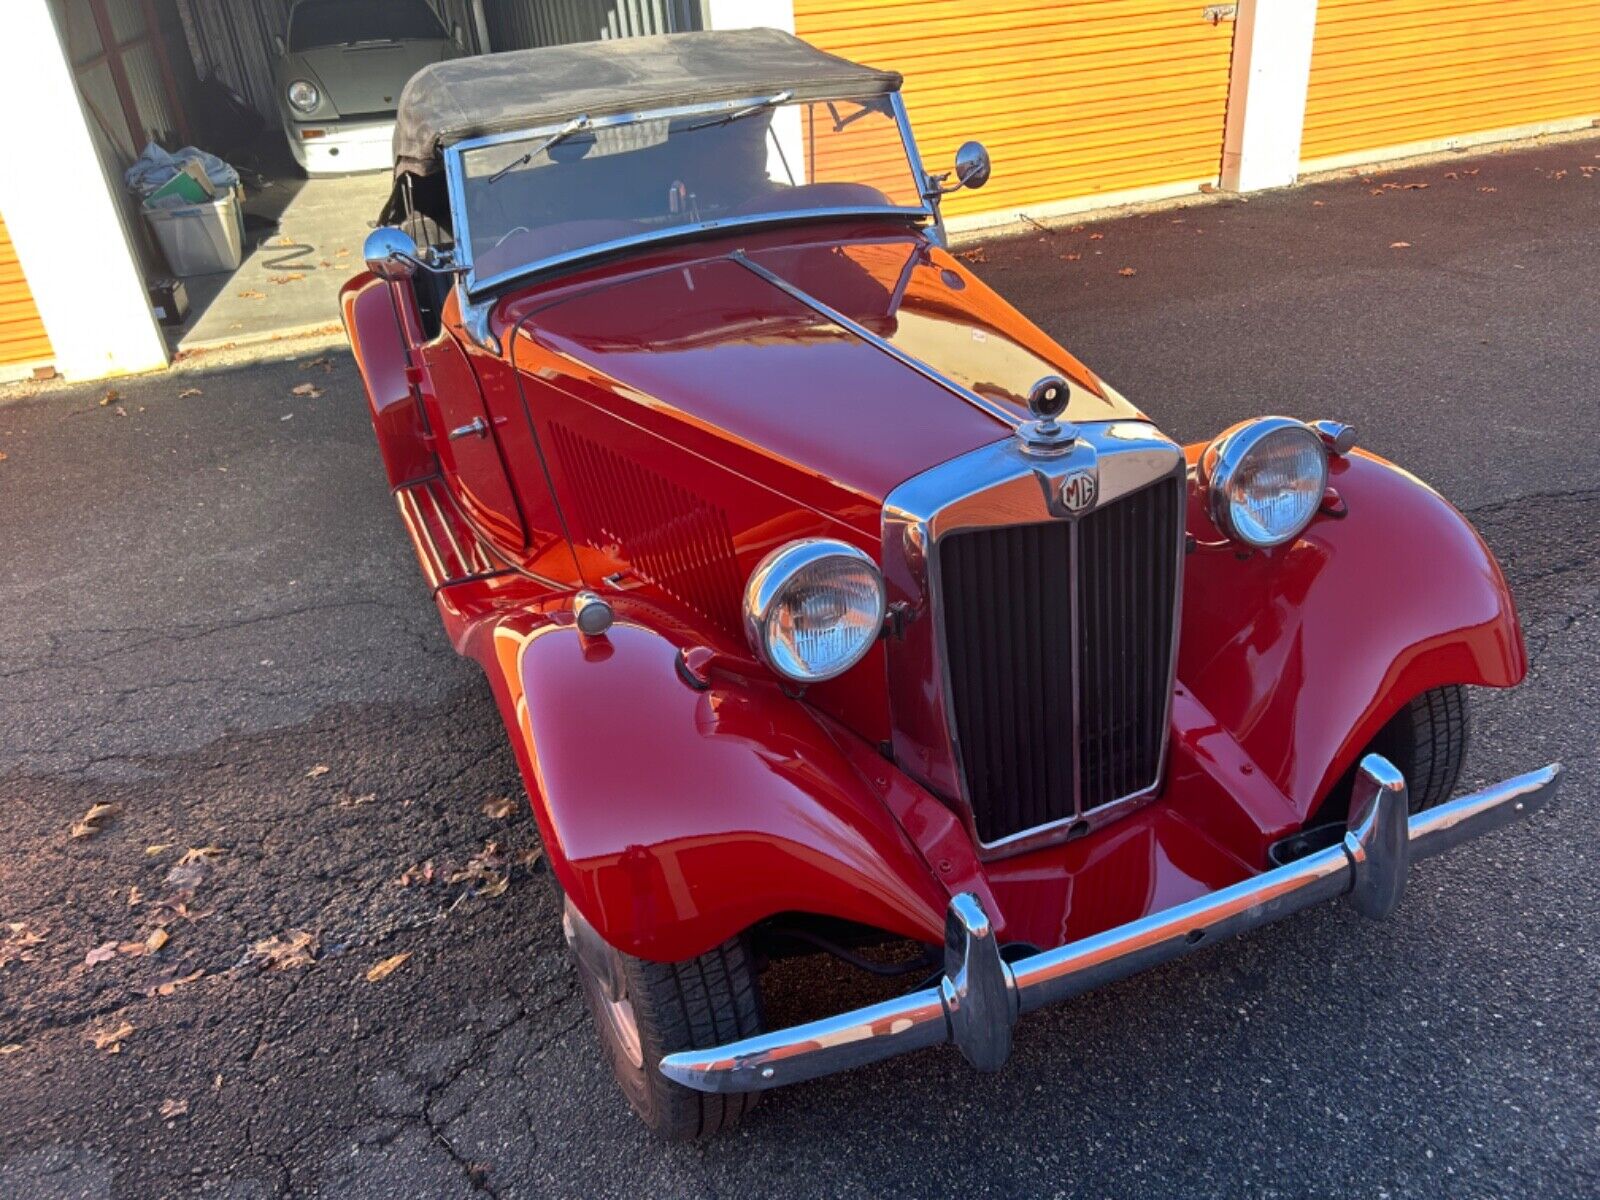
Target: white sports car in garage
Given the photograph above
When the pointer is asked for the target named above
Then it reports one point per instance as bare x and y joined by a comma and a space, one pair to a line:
340, 72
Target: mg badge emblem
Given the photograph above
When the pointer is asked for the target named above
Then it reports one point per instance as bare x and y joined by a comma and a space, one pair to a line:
1078, 491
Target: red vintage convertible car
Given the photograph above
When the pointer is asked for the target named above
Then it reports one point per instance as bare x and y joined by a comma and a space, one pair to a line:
833, 608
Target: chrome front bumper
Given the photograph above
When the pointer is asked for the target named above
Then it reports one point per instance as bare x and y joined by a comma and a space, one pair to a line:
981, 996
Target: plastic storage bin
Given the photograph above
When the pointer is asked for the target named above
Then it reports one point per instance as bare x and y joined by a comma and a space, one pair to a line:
200, 239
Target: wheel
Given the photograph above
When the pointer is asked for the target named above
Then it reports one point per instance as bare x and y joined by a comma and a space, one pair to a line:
644, 1011
1427, 741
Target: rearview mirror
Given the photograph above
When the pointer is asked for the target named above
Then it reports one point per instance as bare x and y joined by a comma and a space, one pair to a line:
972, 165
391, 253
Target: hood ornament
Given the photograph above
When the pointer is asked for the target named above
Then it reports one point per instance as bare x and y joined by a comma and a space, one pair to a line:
1045, 435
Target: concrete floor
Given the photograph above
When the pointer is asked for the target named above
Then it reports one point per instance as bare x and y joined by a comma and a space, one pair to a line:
288, 285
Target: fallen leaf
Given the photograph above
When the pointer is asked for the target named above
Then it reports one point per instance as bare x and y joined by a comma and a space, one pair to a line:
173, 1108
157, 849
10, 1048
976, 254
1415, 187
320, 769
3, 456
1488, 189
121, 412
132, 949
325, 363
499, 808
252, 295
283, 241
181, 909
291, 277
1377, 191
297, 948
189, 393
110, 1040
287, 417
1072, 257
387, 967
167, 986
1399, 245
1319, 203
357, 801
1095, 237
200, 854
310, 390
341, 253
1127, 272
104, 952
88, 824
186, 876
421, 873
157, 939
135, 897
110, 397
1451, 175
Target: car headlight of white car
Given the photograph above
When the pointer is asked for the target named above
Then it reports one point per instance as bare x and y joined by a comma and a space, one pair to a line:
304, 96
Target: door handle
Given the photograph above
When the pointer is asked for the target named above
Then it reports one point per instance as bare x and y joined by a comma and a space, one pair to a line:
477, 427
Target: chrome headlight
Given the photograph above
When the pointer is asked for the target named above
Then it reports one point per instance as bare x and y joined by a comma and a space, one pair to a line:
303, 94
1265, 479
813, 608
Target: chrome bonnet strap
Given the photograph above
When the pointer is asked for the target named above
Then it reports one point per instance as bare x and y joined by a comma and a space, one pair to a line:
997, 411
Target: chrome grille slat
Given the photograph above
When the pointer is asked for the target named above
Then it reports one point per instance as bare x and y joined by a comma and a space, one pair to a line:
1059, 637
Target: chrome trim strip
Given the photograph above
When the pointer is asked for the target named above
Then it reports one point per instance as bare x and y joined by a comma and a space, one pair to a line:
980, 997
456, 182
997, 411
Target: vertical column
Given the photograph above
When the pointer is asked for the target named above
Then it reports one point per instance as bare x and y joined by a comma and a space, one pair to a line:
64, 219
1267, 93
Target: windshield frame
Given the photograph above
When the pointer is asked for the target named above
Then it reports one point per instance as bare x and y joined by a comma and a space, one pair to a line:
455, 174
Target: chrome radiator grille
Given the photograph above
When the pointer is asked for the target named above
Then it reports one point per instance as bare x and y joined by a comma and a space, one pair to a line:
1058, 638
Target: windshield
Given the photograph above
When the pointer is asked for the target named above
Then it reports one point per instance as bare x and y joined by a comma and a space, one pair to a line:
340, 22
531, 199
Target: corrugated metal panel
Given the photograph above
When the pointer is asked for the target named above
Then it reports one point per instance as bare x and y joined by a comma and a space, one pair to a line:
22, 335
1072, 98
1388, 73
524, 24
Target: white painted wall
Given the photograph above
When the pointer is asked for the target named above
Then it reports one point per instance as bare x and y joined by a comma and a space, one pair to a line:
767, 14
64, 221
1267, 93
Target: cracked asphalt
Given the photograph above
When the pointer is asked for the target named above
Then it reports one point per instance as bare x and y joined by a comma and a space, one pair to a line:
210, 619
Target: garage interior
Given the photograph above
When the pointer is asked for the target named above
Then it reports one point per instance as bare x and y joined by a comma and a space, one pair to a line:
200, 73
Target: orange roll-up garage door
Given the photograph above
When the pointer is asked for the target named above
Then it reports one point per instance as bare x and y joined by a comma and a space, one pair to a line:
22, 335
1072, 99
1393, 73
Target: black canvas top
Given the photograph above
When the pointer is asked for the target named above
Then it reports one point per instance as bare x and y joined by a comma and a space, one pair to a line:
463, 98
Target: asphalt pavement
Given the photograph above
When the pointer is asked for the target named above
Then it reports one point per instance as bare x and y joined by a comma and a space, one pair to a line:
210, 620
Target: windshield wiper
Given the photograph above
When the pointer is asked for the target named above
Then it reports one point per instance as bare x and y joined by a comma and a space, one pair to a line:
747, 111
576, 125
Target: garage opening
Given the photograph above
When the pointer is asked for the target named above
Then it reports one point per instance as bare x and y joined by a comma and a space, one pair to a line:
298, 97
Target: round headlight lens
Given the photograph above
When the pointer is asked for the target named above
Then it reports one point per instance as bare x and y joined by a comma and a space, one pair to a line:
813, 608
304, 96
1266, 480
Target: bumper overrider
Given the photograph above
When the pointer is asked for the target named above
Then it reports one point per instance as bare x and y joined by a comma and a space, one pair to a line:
981, 996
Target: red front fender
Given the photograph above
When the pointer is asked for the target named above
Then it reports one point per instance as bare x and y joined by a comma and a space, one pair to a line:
1303, 653
676, 818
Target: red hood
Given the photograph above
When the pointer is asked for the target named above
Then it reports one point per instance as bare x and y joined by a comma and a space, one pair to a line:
695, 332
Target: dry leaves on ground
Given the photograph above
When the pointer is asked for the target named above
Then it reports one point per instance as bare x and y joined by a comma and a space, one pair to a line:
111, 397
110, 1039
976, 254
174, 1108
89, 824
309, 390
387, 967
1097, 237
3, 456
320, 769
189, 393
282, 951
135, 897
152, 851
1072, 257
104, 952
1399, 245
419, 873
1127, 272
489, 871
19, 943
291, 277
252, 295
499, 808
10, 1048
166, 987
357, 801
325, 363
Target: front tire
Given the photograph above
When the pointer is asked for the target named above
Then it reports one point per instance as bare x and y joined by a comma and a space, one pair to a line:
1427, 741
644, 1011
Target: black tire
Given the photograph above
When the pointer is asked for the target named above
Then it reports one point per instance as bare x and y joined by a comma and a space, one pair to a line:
691, 1005
1427, 741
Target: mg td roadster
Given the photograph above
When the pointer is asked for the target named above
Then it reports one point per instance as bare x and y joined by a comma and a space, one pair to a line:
833, 608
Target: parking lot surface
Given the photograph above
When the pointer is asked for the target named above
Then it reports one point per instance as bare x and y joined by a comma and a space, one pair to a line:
210, 620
